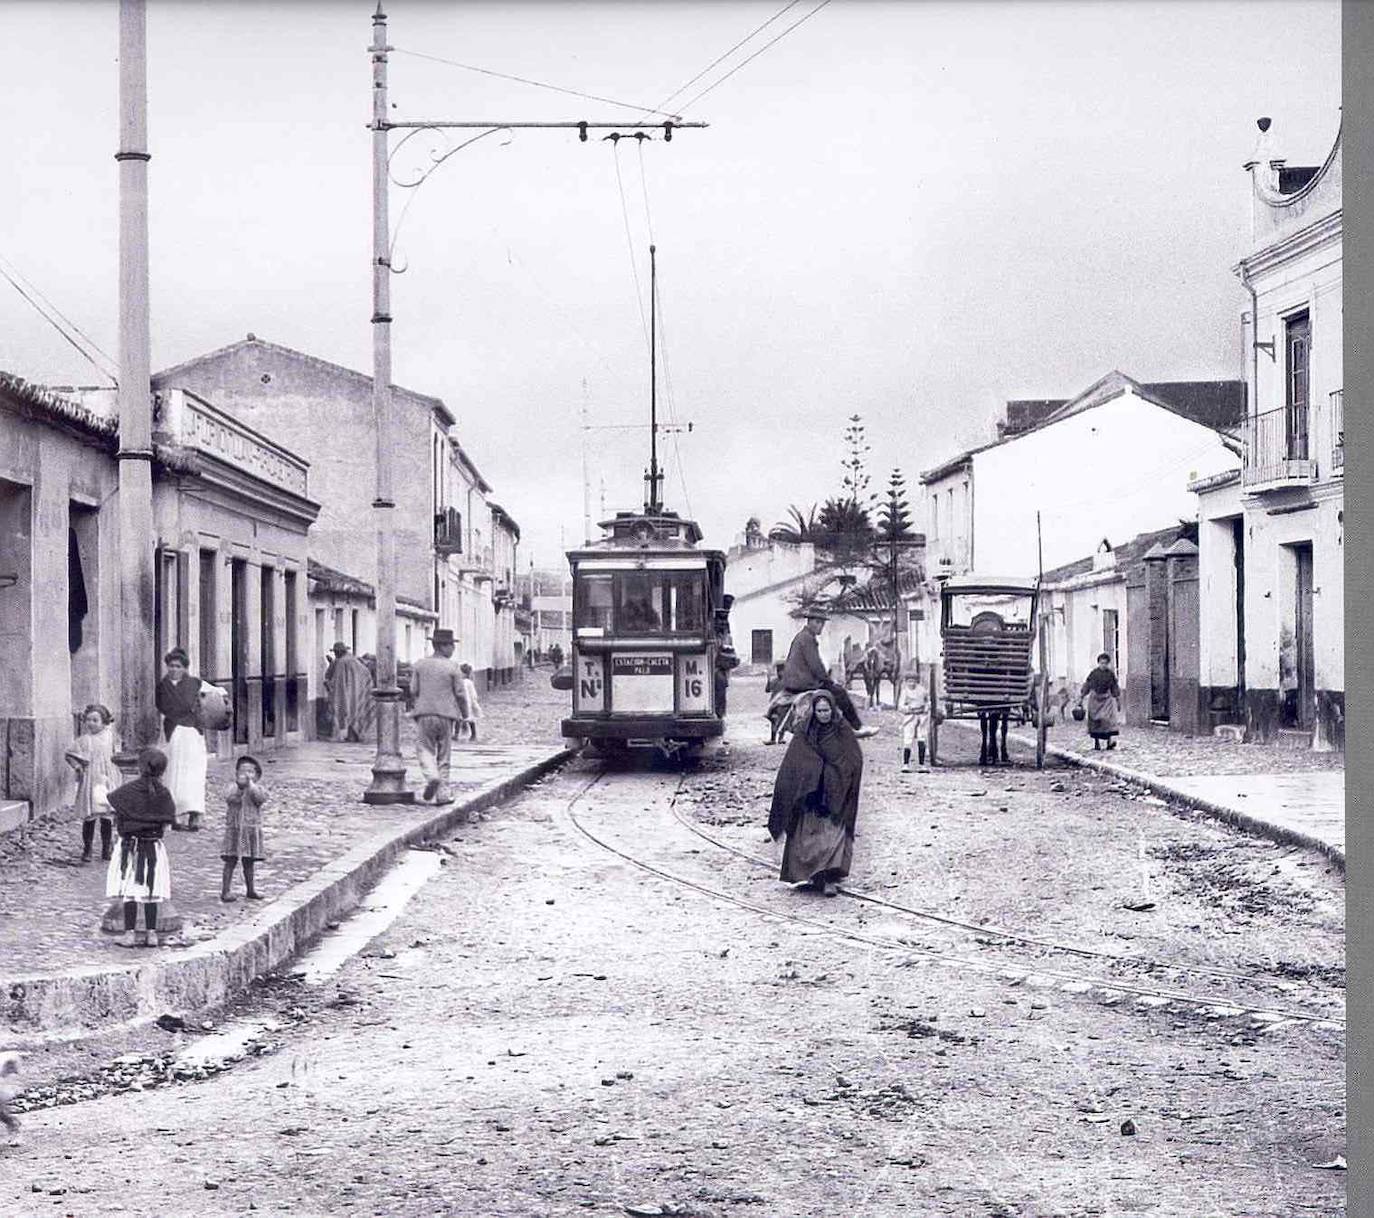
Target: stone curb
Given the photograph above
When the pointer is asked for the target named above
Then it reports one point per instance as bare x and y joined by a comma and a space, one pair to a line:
84, 1001
1162, 787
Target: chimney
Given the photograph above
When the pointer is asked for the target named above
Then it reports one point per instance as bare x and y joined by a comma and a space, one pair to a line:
1263, 164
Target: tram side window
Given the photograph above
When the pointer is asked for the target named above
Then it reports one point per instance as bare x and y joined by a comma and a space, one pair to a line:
594, 603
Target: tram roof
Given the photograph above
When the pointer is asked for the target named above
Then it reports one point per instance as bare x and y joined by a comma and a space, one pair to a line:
989, 583
642, 535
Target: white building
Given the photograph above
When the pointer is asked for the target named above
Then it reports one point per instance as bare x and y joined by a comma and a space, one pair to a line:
770, 583
1271, 534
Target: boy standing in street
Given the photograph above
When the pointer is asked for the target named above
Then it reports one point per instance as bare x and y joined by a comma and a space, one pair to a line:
439, 702
914, 707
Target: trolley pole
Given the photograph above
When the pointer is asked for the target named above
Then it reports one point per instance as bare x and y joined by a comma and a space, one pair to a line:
389, 769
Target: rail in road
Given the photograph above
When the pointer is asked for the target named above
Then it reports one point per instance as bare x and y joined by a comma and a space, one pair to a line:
1108, 989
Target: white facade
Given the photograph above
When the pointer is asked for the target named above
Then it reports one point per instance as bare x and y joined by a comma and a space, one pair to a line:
1113, 464
1271, 540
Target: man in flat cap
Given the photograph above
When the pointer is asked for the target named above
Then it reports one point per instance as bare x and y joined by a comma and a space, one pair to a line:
804, 670
438, 704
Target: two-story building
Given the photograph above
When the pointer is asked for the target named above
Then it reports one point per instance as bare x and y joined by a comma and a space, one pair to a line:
231, 510
445, 573
1271, 536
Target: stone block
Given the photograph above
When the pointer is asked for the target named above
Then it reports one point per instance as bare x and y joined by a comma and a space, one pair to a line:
14, 814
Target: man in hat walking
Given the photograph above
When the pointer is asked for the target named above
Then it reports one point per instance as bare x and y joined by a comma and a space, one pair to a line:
804, 670
438, 704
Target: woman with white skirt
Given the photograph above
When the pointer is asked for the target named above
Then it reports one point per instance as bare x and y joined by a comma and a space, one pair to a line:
178, 701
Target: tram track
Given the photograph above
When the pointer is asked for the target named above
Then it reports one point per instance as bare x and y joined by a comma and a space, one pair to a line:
1269, 1014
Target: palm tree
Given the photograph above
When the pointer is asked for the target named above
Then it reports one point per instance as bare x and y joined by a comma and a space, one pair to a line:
797, 528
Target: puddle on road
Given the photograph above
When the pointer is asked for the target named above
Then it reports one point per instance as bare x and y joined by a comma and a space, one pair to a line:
381, 907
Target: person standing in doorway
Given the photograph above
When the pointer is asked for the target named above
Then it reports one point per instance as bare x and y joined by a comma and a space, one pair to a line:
178, 701
804, 670
439, 702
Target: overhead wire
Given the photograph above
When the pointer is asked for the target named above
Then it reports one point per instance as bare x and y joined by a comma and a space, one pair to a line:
58, 325
538, 84
721, 58
750, 58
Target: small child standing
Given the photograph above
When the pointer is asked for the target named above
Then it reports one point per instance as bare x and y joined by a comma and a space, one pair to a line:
91, 756
138, 872
914, 707
474, 707
243, 827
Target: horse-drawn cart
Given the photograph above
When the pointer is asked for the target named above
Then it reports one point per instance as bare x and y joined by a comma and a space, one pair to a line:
989, 628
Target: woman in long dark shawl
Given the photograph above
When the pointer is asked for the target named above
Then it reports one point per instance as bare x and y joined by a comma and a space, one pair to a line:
816, 799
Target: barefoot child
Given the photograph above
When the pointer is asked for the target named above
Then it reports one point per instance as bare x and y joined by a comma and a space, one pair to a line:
243, 827
474, 707
914, 707
138, 872
91, 756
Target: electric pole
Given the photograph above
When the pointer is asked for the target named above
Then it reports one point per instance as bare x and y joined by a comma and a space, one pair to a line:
388, 770
138, 716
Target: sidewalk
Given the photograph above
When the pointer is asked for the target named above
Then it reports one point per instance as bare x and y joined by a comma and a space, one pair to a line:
1288, 795
324, 847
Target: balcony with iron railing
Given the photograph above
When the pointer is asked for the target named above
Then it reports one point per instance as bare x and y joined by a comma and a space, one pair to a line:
1292, 446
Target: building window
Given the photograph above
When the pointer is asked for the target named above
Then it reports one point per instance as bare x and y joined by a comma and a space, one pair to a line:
1298, 347
1111, 638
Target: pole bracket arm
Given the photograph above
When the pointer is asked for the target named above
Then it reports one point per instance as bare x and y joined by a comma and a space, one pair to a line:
133, 156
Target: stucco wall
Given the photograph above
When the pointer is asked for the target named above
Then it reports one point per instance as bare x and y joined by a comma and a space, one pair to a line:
1113, 471
325, 416
42, 470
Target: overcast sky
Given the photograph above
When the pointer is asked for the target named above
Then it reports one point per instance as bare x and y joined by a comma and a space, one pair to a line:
910, 211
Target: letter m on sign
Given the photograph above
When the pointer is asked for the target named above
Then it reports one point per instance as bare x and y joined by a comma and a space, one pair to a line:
693, 667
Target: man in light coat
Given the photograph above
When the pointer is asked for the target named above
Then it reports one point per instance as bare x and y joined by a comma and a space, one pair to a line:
438, 703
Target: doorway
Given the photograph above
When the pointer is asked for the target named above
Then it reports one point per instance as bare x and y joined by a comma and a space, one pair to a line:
1299, 702
761, 647
238, 646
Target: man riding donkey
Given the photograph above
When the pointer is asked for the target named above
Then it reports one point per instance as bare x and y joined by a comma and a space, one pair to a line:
805, 672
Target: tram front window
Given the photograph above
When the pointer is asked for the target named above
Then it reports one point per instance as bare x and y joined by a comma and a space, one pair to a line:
629, 604
594, 602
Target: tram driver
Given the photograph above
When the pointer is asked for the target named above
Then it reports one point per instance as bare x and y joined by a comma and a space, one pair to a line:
805, 671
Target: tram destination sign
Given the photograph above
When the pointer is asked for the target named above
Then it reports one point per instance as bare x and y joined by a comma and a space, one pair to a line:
642, 666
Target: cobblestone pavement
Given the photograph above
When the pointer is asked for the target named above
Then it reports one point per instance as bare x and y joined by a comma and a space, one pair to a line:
51, 904
551, 1030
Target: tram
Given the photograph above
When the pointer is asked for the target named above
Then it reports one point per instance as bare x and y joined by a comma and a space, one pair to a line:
651, 645
651, 650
